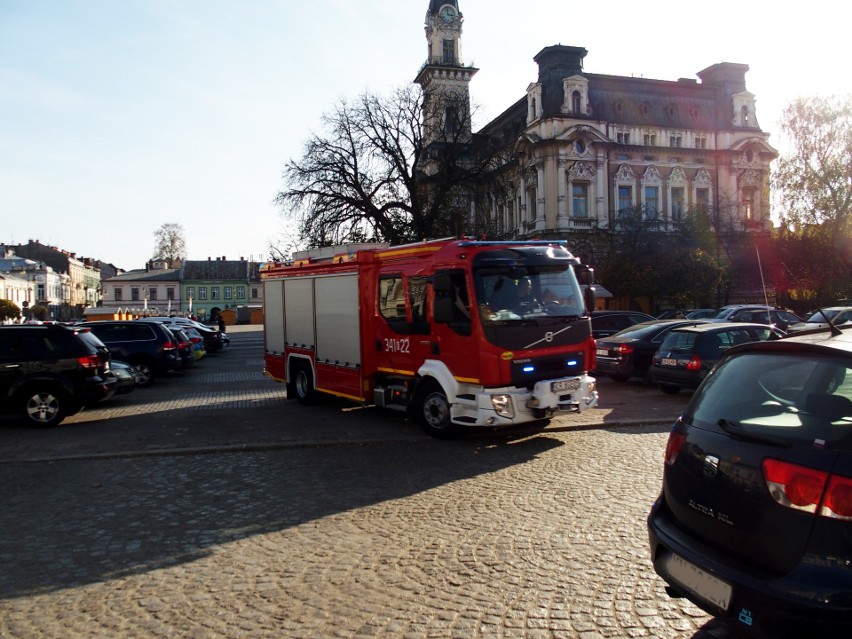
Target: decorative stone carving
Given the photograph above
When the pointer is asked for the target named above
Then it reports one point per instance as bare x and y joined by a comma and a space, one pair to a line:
625, 174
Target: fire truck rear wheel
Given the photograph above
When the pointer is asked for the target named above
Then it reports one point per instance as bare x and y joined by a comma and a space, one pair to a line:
433, 410
304, 385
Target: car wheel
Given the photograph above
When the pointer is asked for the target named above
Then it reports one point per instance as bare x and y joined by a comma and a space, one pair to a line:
669, 389
303, 384
618, 378
146, 373
44, 406
433, 410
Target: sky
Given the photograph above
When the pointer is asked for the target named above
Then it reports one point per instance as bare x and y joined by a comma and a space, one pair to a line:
119, 116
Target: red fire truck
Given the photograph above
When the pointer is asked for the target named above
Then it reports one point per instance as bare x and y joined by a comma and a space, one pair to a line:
459, 333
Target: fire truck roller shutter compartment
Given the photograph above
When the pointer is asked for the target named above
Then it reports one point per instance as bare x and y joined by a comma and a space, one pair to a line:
299, 312
273, 296
338, 324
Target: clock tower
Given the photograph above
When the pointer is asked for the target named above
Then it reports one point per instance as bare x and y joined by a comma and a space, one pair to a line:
444, 78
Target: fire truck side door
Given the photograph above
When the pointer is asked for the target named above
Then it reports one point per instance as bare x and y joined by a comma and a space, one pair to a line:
452, 327
402, 334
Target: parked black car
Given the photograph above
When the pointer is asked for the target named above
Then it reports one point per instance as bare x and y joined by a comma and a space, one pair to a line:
48, 371
126, 375
184, 346
688, 353
150, 347
754, 521
628, 353
606, 323
214, 340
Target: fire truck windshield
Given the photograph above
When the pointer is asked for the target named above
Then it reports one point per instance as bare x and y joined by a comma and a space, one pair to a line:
526, 292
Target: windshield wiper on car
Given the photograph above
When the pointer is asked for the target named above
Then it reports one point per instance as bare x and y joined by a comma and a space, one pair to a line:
735, 430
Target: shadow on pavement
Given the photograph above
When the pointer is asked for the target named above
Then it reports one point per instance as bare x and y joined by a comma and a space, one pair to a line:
71, 523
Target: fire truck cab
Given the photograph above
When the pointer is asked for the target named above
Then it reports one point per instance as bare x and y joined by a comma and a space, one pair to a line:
458, 333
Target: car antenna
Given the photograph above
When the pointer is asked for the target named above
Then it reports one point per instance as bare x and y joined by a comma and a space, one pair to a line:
835, 331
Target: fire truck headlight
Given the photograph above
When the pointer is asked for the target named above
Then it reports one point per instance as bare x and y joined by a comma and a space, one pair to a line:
503, 405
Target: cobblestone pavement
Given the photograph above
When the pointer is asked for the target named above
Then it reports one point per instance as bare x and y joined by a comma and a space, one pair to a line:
329, 521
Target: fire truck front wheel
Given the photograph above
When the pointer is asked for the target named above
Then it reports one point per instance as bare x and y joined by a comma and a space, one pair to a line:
433, 410
303, 384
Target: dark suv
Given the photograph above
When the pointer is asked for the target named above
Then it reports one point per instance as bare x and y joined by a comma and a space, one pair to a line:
150, 347
754, 521
48, 372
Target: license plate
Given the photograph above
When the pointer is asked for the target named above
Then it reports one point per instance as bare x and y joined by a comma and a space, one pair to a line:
668, 361
565, 385
698, 581
603, 351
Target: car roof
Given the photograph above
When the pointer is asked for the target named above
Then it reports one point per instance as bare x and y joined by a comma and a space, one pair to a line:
710, 327
831, 308
837, 341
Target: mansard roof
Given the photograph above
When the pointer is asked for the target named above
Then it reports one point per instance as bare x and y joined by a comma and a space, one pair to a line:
682, 104
147, 275
638, 101
220, 270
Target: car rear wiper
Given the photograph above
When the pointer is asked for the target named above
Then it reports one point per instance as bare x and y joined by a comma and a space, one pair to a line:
735, 430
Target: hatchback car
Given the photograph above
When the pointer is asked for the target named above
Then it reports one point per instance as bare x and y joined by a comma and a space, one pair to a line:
150, 347
754, 520
628, 353
688, 353
606, 323
49, 371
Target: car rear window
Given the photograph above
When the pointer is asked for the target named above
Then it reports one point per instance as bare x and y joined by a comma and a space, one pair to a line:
801, 398
679, 342
91, 340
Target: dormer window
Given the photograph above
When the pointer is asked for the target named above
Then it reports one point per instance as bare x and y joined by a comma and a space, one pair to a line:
532, 109
575, 96
744, 115
576, 101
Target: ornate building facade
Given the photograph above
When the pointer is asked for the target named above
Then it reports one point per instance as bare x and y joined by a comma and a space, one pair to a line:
583, 150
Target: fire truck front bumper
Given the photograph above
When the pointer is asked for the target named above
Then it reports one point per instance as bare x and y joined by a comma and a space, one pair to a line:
508, 406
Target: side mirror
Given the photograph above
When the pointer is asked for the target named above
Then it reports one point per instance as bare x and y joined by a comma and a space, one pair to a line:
589, 297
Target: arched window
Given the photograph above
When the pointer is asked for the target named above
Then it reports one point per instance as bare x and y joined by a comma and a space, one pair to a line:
575, 102
744, 115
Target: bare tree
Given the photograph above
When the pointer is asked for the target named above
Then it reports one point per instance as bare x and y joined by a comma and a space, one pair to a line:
392, 169
170, 243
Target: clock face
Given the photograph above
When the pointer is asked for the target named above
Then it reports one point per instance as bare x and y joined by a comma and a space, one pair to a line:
448, 14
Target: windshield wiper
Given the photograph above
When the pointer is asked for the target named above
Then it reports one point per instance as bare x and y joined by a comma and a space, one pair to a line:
735, 430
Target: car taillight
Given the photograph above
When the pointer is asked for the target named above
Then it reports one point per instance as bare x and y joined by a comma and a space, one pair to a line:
195, 340
624, 349
694, 364
90, 361
794, 486
838, 499
169, 346
674, 446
